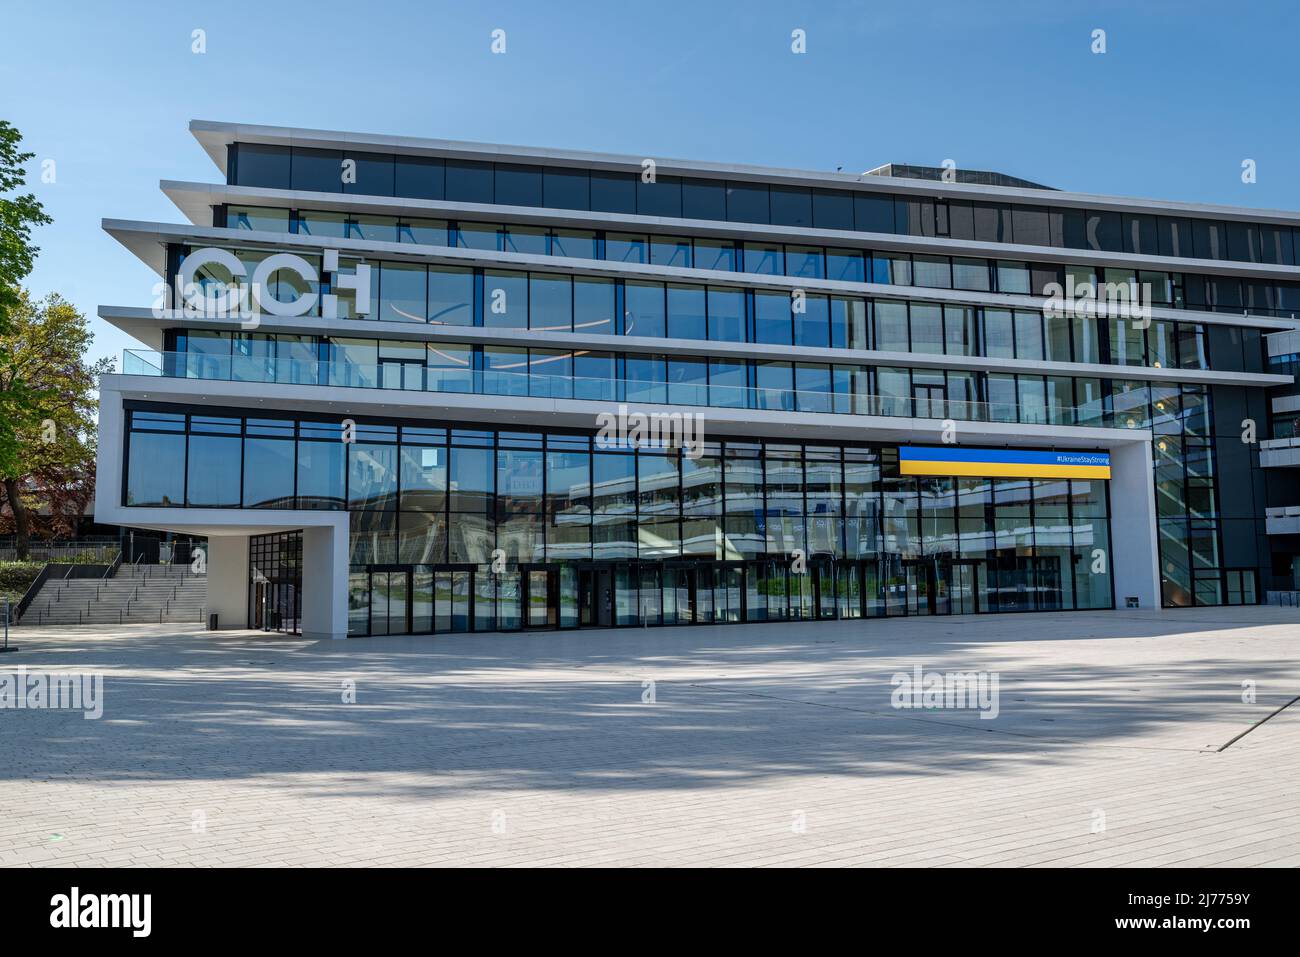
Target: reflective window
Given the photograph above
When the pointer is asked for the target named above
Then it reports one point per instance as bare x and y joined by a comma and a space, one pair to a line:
320, 472
450, 367
451, 296
764, 258
643, 309
647, 379
688, 381
891, 326
505, 299
354, 362
258, 219
715, 254
805, 262
727, 384
1013, 278
931, 271
268, 466
670, 251
155, 473
970, 274
848, 323
550, 302
927, 328
845, 265
403, 292
505, 370
322, 224
686, 312
726, 314
772, 318
375, 229
812, 322
1029, 335
774, 382
573, 243
593, 305
530, 240
812, 384
626, 248
480, 236
470, 479
426, 232
372, 476
959, 331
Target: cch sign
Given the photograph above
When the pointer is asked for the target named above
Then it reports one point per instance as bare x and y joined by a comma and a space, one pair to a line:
246, 297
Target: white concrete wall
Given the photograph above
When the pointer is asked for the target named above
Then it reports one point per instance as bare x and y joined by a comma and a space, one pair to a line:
1135, 561
325, 582
227, 570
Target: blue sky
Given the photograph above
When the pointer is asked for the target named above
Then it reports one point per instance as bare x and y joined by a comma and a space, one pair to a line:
1184, 93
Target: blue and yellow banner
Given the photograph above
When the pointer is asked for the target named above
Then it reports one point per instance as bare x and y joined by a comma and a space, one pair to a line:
1002, 463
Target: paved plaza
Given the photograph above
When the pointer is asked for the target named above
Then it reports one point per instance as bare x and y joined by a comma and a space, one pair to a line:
771, 744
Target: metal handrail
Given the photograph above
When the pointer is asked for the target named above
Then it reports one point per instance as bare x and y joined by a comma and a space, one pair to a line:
112, 569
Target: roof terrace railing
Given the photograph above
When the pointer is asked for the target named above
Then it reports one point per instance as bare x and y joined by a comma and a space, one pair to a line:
411, 375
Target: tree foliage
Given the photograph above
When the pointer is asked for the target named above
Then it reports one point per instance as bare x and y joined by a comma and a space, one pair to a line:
48, 395
18, 214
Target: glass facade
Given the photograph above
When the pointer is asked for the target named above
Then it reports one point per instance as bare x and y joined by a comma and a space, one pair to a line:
1172, 290
878, 211
275, 582
458, 527
593, 534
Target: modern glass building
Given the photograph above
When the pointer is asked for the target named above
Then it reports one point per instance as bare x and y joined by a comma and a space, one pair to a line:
420, 386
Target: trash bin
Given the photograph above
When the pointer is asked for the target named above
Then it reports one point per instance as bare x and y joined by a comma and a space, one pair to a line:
212, 621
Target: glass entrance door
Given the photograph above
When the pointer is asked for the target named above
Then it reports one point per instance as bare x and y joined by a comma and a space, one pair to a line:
541, 596
825, 592
452, 590
729, 595
596, 596
679, 594
848, 589
704, 593
1047, 582
920, 580
1012, 581
966, 582
390, 602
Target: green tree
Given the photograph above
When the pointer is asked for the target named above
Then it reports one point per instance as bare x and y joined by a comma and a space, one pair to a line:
48, 394
18, 214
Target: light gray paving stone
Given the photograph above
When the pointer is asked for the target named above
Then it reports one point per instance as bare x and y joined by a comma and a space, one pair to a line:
1116, 711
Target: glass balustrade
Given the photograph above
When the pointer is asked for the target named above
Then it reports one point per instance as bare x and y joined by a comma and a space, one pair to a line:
410, 376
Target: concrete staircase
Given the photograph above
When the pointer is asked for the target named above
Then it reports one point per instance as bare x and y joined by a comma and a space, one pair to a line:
138, 594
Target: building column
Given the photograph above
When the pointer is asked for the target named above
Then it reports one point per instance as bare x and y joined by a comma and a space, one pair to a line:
1134, 553
227, 571
325, 581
